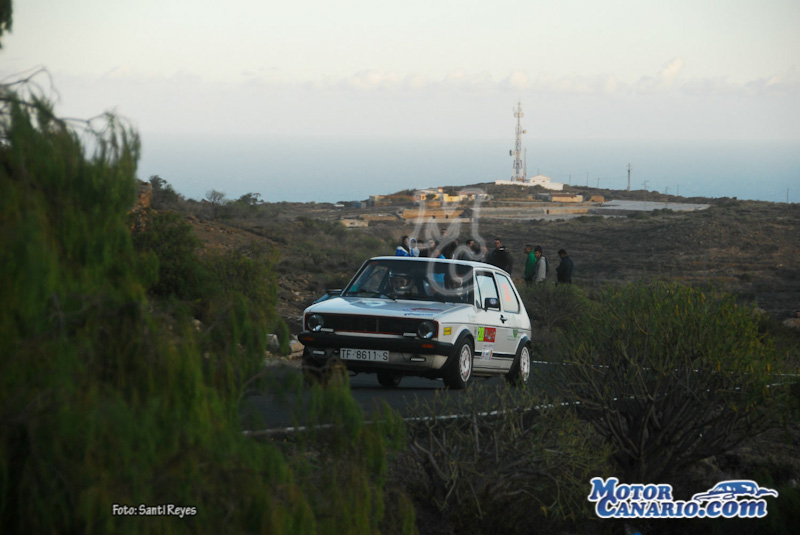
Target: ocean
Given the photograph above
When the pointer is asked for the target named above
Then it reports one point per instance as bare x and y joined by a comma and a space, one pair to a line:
332, 170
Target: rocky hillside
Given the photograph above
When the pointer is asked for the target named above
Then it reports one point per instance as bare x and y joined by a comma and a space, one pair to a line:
746, 247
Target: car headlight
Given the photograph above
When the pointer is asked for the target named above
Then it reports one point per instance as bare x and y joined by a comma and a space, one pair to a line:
315, 322
426, 330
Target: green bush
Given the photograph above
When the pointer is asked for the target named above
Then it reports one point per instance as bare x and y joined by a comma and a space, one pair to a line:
172, 241
163, 194
669, 375
553, 307
105, 399
241, 299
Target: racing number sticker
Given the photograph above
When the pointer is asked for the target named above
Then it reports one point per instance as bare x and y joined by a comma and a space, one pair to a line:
486, 334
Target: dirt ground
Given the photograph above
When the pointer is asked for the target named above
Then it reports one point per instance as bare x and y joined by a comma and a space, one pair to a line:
748, 248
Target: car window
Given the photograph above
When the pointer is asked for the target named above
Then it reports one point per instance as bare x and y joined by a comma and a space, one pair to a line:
486, 286
370, 280
507, 295
417, 280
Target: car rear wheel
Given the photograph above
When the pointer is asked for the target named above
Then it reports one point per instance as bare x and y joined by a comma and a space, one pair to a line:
459, 370
389, 380
521, 369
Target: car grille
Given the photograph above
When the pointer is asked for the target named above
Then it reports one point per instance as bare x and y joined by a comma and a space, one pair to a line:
370, 324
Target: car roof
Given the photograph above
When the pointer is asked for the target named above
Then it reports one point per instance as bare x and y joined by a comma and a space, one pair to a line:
426, 259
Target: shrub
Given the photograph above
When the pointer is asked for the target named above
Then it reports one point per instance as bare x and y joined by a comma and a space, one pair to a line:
241, 300
164, 195
172, 241
669, 375
502, 465
555, 307
104, 401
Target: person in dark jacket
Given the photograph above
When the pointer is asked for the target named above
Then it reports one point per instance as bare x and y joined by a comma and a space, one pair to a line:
500, 257
564, 269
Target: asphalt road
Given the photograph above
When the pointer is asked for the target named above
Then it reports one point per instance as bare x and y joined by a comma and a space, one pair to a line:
279, 407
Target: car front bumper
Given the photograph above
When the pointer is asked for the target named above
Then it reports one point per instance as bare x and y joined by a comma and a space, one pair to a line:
408, 355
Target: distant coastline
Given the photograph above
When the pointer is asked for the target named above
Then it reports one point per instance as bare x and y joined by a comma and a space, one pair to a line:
326, 170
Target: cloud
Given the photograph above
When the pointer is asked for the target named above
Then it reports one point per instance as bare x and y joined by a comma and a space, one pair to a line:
663, 82
517, 80
671, 71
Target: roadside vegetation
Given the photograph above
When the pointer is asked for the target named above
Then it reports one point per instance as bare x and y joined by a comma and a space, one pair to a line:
511, 462
124, 356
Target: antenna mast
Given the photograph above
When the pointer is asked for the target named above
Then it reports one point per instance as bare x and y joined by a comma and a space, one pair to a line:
519, 171
629, 177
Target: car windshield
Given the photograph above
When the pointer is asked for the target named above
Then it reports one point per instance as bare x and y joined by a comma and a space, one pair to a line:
447, 282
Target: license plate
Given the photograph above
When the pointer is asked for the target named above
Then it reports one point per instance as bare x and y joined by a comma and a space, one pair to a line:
371, 355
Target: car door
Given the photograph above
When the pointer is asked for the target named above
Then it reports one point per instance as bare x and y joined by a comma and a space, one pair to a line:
490, 336
511, 331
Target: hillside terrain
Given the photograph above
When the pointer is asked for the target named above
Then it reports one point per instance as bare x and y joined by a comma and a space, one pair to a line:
746, 248
749, 248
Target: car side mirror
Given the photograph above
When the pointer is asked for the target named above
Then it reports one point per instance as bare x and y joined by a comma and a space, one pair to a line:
491, 302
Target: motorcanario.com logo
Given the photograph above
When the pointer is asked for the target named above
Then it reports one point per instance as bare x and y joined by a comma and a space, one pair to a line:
740, 498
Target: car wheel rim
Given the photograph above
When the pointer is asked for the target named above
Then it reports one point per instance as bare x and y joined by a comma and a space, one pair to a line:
465, 362
524, 364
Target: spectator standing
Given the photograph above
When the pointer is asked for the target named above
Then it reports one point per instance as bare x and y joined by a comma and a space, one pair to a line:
564, 269
434, 251
464, 252
530, 263
500, 257
448, 245
428, 251
404, 248
470, 251
541, 265
412, 243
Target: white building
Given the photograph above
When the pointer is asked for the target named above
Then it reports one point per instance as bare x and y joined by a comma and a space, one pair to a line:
539, 180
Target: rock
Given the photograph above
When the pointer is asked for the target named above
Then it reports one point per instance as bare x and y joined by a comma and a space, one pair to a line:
792, 323
273, 344
296, 349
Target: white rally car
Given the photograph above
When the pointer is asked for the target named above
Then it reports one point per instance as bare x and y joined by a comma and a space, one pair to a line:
448, 319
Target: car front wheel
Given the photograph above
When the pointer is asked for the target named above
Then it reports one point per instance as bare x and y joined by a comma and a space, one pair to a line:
389, 380
459, 370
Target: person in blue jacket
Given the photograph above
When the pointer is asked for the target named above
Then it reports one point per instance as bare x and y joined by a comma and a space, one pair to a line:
404, 249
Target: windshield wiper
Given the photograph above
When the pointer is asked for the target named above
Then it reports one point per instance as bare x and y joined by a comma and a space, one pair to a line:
370, 293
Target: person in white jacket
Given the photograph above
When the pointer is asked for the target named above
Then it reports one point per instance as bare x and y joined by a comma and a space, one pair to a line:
541, 265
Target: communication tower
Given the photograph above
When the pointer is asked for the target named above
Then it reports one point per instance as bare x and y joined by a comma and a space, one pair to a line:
518, 168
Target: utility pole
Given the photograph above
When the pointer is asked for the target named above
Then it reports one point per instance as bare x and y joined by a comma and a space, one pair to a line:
629, 177
519, 172
645, 185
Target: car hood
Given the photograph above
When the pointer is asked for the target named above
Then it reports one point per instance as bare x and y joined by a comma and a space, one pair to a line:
402, 308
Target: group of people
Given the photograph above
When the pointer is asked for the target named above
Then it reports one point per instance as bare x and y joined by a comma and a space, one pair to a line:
536, 264
445, 248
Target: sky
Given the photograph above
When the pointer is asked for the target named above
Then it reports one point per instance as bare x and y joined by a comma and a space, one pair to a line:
441, 69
